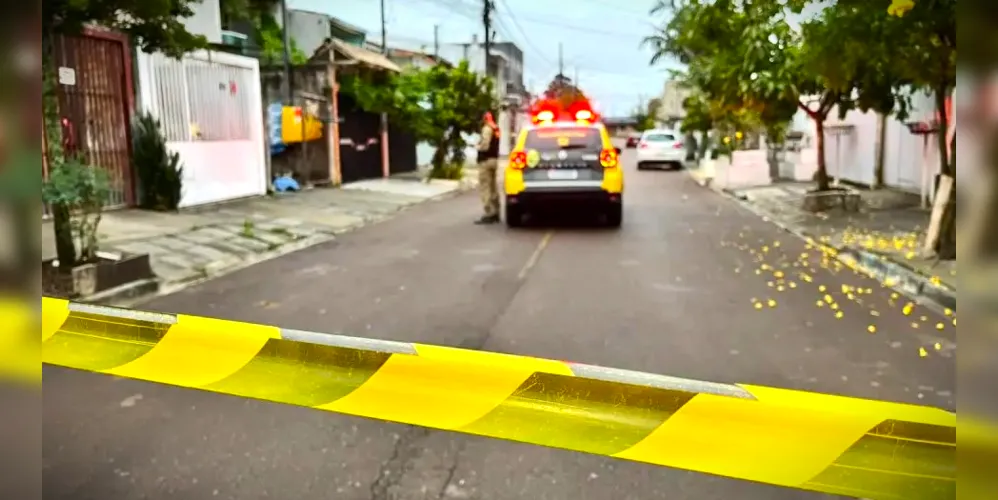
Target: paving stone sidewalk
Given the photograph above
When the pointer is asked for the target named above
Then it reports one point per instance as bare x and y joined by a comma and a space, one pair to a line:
201, 243
886, 235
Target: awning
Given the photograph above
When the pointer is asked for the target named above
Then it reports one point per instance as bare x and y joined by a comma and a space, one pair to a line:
351, 53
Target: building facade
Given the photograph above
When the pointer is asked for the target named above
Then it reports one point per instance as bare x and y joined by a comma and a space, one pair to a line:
673, 95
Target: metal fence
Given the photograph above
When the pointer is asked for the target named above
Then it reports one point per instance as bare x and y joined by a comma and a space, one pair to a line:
197, 98
95, 103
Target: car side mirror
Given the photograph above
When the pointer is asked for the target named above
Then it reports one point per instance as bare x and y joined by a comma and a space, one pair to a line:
617, 150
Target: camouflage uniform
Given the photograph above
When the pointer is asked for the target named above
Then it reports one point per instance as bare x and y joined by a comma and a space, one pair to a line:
488, 166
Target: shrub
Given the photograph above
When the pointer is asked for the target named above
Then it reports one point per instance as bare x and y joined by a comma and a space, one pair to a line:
159, 171
77, 193
449, 171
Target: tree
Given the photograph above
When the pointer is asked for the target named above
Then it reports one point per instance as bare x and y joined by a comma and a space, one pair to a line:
926, 32
750, 62
646, 115
267, 32
438, 105
564, 91
153, 25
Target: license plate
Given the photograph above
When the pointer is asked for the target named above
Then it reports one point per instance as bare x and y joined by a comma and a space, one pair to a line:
563, 175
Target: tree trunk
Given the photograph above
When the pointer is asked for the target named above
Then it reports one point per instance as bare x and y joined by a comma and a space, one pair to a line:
881, 159
440, 155
65, 247
704, 144
946, 244
821, 176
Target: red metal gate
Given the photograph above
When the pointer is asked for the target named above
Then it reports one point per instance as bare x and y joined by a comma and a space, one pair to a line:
96, 102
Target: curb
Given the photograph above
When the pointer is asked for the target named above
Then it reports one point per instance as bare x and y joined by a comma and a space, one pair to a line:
135, 294
892, 274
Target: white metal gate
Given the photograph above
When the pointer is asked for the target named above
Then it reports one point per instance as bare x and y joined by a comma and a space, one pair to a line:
210, 108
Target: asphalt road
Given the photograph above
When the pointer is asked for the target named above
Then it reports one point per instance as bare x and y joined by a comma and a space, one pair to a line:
671, 292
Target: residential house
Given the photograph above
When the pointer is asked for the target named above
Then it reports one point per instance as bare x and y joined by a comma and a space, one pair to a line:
852, 147
209, 103
673, 95
311, 29
412, 59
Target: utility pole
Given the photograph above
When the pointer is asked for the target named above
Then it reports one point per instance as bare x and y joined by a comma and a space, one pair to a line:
436, 40
487, 18
386, 170
288, 76
561, 60
384, 34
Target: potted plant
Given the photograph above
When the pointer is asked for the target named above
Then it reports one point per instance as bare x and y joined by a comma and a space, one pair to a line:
77, 193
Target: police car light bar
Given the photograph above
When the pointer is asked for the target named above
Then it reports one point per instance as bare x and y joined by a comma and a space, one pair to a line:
545, 116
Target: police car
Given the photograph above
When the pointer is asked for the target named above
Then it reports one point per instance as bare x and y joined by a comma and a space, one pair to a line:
564, 158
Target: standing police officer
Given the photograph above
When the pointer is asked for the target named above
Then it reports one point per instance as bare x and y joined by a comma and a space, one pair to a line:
488, 166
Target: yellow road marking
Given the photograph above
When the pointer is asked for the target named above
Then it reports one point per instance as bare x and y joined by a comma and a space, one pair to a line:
534, 257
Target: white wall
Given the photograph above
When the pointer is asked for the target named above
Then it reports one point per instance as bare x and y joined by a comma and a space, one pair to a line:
207, 20
904, 157
228, 160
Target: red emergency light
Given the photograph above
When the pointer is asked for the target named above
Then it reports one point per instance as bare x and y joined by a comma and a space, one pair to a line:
552, 110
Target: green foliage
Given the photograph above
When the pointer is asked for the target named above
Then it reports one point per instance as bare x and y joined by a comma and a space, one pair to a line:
647, 115
270, 38
698, 116
154, 25
80, 191
437, 104
450, 171
159, 171
754, 69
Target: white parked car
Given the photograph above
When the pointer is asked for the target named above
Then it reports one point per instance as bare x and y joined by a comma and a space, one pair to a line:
661, 148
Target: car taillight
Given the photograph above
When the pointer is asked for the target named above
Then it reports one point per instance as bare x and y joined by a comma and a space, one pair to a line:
678, 145
518, 160
643, 145
608, 158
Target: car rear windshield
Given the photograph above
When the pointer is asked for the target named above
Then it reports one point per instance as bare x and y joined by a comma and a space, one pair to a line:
660, 137
582, 138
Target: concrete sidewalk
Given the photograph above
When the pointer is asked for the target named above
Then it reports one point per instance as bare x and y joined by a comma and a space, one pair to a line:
201, 243
884, 239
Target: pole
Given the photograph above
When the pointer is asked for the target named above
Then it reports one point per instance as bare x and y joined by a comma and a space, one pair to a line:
384, 34
436, 40
385, 168
487, 18
561, 60
335, 167
288, 76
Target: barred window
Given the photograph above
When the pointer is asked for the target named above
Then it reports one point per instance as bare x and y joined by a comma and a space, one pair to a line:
203, 100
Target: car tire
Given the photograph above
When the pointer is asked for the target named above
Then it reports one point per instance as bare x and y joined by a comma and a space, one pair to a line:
514, 217
615, 215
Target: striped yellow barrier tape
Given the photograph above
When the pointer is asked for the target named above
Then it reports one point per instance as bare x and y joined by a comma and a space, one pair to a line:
19, 348
818, 442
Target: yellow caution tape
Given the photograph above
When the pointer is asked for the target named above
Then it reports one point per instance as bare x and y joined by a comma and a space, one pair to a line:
19, 351
825, 443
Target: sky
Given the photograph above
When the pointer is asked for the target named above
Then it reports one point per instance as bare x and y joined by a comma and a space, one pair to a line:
601, 42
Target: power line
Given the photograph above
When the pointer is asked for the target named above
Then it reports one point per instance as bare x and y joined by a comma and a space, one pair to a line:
523, 32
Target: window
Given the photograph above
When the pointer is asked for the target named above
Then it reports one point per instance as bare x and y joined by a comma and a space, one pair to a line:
659, 137
583, 138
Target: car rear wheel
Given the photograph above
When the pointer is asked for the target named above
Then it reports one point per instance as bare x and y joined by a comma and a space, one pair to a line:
615, 215
514, 216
